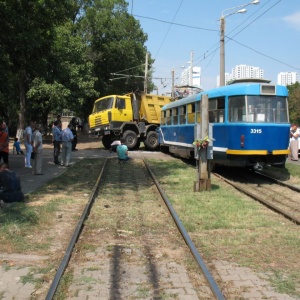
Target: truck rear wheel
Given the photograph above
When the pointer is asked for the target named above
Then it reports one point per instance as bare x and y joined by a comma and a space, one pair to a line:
131, 139
151, 142
106, 141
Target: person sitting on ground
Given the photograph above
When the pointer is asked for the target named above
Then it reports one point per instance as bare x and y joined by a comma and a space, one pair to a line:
10, 185
122, 151
17, 146
114, 145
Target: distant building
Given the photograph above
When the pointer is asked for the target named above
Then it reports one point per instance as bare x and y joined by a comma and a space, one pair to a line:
242, 72
287, 78
186, 78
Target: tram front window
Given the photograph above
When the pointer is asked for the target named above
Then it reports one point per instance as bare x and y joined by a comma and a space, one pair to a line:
258, 109
267, 109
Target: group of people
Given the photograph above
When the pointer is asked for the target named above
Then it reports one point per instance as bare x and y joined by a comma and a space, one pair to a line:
63, 139
10, 187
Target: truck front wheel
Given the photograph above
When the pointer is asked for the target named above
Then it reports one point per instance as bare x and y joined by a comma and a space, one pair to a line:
106, 141
151, 142
131, 139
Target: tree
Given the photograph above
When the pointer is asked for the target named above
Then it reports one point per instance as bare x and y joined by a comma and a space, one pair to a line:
68, 80
116, 46
294, 102
26, 35
60, 54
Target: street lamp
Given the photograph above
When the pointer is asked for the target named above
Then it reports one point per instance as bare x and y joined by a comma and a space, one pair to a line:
240, 10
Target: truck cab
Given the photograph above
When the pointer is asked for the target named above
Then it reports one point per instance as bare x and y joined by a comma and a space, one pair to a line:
134, 116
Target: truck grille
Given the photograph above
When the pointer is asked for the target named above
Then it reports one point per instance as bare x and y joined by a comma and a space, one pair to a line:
98, 121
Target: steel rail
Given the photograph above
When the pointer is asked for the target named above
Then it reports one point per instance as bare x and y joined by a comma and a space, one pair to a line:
261, 200
294, 188
213, 285
64, 263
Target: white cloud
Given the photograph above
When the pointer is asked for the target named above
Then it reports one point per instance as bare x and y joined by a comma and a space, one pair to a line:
293, 20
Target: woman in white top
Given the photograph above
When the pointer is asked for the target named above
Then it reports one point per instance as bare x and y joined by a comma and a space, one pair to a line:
294, 142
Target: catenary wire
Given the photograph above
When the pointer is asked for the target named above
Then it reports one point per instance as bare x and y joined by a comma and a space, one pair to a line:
168, 29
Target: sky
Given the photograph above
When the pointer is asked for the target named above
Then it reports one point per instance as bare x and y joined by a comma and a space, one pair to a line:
266, 36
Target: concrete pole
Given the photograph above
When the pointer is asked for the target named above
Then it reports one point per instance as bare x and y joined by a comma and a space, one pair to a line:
191, 71
222, 51
203, 182
146, 75
173, 83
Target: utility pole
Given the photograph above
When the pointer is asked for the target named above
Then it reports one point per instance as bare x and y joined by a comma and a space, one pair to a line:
173, 80
203, 182
222, 51
191, 71
146, 74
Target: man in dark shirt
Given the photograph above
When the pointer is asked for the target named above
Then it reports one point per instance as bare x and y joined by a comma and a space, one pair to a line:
10, 186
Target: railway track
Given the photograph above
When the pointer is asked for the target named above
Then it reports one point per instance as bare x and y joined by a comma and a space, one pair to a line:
277, 195
129, 243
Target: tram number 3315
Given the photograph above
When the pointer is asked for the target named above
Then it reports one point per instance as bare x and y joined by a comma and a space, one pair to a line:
254, 130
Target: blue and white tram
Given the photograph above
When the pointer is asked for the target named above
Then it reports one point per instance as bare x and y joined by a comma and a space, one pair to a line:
250, 124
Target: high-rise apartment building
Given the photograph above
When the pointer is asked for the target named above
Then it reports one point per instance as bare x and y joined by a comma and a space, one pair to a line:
287, 78
242, 72
186, 77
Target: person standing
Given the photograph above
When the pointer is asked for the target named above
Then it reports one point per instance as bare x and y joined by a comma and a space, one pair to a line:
67, 138
28, 144
56, 140
38, 151
4, 144
294, 137
74, 131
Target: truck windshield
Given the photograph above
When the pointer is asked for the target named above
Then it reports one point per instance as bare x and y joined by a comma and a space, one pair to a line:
103, 104
258, 109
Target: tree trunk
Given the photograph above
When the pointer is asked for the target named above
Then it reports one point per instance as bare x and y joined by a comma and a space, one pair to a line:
22, 91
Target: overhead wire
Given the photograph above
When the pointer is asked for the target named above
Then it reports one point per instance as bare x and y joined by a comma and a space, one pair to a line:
198, 60
168, 29
213, 49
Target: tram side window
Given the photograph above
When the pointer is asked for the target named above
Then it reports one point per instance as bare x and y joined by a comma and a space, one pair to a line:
198, 112
182, 115
191, 113
216, 109
163, 118
169, 117
175, 116
237, 109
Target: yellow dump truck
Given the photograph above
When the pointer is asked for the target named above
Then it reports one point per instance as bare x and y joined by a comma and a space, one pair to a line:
134, 116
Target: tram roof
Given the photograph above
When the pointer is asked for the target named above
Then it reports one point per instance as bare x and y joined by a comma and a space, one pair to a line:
245, 88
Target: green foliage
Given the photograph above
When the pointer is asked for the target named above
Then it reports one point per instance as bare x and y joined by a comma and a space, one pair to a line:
294, 102
58, 55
